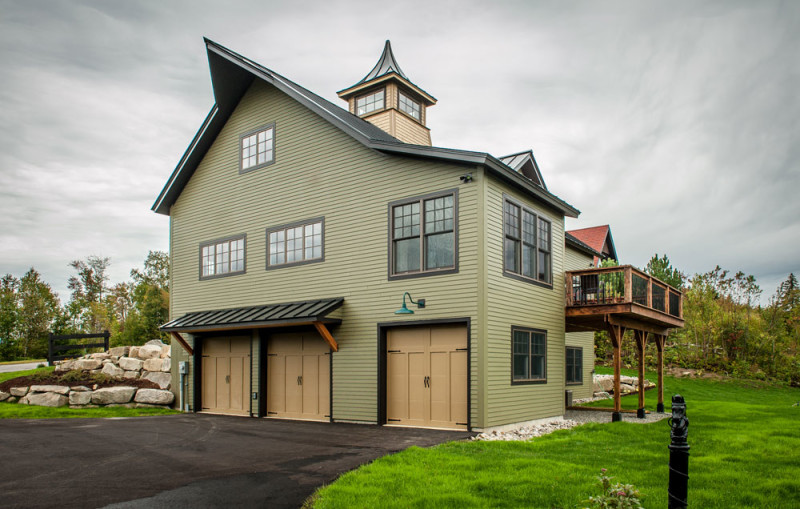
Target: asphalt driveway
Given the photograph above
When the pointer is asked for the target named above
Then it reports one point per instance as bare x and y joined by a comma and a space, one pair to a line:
186, 460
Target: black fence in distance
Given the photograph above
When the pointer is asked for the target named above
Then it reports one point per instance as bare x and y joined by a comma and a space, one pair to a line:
64, 343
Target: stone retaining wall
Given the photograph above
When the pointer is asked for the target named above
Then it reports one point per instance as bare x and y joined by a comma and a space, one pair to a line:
149, 362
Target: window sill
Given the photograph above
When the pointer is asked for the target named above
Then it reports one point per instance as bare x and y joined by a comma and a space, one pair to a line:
220, 276
528, 382
524, 279
294, 264
412, 275
573, 383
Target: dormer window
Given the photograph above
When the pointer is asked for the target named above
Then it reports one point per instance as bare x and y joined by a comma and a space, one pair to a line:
370, 103
409, 106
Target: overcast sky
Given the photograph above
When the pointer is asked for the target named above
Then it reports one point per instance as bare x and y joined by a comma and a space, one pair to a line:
675, 122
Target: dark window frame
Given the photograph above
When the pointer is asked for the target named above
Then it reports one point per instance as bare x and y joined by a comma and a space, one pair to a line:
519, 238
422, 272
215, 242
576, 350
530, 331
252, 132
364, 96
284, 227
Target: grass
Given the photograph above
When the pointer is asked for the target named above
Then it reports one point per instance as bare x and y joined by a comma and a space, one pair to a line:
745, 452
17, 411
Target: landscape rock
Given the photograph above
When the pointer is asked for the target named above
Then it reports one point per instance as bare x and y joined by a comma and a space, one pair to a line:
597, 386
87, 364
80, 398
80, 388
4, 395
527, 432
626, 388
123, 405
100, 356
110, 395
156, 342
107, 361
23, 400
19, 391
119, 351
12, 399
154, 397
51, 399
65, 366
157, 364
162, 379
129, 364
96, 371
133, 351
149, 351
58, 389
130, 375
166, 351
111, 370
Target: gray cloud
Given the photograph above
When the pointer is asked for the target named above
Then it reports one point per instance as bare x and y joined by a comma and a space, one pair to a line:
677, 123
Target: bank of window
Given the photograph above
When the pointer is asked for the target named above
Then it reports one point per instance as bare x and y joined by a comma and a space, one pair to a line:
527, 244
423, 235
370, 103
574, 365
529, 355
222, 258
408, 105
258, 148
297, 243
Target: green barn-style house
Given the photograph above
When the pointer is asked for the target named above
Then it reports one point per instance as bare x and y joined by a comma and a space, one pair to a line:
332, 264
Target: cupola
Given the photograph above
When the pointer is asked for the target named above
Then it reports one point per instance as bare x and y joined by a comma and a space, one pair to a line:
386, 98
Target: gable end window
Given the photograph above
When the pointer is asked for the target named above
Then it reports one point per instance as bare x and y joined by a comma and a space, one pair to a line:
526, 244
574, 365
296, 243
371, 102
409, 106
528, 355
223, 257
423, 235
257, 149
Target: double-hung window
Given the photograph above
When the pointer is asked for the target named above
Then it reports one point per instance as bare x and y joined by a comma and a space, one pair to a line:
423, 235
408, 105
257, 148
526, 244
574, 365
224, 257
295, 243
528, 355
370, 102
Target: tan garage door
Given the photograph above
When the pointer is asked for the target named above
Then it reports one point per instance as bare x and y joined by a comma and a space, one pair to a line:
298, 377
226, 375
426, 376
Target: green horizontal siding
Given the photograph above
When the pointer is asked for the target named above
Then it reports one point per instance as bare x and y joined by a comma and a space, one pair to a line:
319, 171
574, 260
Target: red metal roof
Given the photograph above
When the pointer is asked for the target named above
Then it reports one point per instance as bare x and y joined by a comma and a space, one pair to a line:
594, 237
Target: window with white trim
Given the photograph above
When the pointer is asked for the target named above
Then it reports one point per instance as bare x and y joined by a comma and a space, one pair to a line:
409, 105
257, 148
222, 257
371, 102
294, 244
526, 244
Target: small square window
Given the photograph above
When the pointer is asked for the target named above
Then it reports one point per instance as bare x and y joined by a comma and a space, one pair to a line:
409, 106
369, 103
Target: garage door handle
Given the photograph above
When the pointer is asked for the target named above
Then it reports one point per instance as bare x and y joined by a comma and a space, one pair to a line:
426, 381
227, 379
299, 380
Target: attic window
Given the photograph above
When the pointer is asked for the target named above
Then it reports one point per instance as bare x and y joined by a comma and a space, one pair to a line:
257, 148
408, 105
370, 103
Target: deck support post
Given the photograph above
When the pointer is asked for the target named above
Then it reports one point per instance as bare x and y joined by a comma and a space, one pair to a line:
660, 339
617, 332
641, 342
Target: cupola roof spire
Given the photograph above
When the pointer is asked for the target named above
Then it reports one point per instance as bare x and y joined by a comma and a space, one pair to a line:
386, 64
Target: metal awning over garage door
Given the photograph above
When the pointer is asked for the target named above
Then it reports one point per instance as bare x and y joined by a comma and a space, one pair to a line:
309, 312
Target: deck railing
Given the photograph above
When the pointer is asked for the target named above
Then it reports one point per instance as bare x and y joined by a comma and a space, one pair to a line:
622, 285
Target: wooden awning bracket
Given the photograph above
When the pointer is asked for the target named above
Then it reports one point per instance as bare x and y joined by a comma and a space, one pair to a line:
326, 335
177, 337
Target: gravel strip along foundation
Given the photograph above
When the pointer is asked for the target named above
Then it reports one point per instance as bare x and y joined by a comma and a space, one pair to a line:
571, 419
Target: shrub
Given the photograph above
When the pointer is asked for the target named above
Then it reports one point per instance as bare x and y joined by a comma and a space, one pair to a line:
101, 378
623, 496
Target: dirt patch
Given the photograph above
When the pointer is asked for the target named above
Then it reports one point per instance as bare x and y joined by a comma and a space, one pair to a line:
88, 381
678, 372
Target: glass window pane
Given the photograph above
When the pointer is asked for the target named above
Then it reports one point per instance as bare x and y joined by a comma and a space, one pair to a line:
440, 251
528, 261
537, 367
521, 367
511, 254
406, 255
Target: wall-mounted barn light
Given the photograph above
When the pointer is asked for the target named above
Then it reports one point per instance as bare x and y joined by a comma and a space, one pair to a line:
404, 310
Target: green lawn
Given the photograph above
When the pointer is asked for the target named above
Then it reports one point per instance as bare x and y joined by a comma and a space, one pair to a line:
745, 452
17, 411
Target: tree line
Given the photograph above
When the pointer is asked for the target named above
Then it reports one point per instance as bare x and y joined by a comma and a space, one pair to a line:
727, 329
132, 311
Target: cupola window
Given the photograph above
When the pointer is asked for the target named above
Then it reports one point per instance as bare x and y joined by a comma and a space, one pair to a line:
369, 103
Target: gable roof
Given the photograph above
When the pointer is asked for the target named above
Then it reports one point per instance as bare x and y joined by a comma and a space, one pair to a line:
574, 242
232, 74
525, 163
595, 237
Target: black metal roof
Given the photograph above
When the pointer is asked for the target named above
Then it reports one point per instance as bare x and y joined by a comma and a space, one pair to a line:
386, 64
232, 74
253, 317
